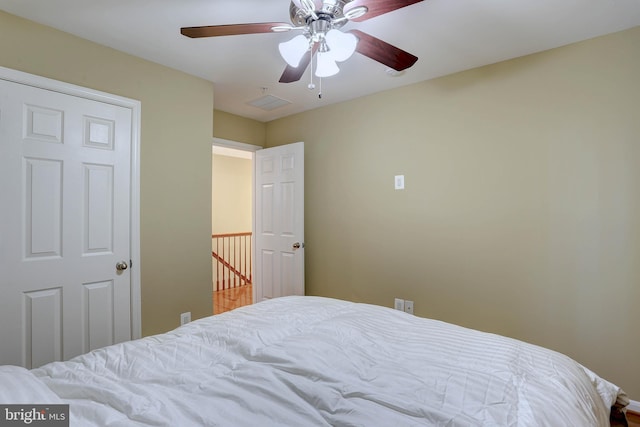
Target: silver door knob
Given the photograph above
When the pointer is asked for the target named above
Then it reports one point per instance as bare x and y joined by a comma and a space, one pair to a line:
298, 245
122, 265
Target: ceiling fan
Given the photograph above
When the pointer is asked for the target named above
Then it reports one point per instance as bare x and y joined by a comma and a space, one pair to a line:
319, 22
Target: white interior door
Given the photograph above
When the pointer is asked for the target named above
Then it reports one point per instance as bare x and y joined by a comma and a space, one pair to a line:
279, 215
65, 188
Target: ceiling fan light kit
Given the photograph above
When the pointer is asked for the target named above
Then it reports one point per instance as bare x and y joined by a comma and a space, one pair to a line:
342, 45
334, 46
326, 66
293, 50
320, 22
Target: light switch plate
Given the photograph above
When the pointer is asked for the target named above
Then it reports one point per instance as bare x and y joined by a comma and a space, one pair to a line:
185, 318
399, 182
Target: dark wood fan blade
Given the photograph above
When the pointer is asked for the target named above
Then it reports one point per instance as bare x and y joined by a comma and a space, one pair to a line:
230, 30
383, 52
293, 74
377, 7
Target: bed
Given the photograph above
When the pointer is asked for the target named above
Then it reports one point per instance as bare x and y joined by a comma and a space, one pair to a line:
312, 361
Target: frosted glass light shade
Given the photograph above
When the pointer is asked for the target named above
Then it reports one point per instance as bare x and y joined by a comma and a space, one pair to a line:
327, 66
341, 45
293, 50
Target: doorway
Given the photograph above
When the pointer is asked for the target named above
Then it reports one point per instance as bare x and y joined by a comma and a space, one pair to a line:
232, 222
276, 181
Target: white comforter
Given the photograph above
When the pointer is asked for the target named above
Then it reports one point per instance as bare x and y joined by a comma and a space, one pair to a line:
307, 361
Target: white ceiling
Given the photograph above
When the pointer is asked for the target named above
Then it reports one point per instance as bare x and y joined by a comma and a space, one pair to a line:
446, 35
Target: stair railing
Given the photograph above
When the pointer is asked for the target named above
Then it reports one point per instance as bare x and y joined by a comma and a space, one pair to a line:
232, 252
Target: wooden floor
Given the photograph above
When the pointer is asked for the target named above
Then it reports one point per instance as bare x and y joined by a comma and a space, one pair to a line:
633, 418
232, 298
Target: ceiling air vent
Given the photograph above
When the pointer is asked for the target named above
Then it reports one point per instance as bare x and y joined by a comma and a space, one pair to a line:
269, 102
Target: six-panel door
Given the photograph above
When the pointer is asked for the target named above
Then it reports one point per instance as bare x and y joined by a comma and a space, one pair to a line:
64, 225
279, 214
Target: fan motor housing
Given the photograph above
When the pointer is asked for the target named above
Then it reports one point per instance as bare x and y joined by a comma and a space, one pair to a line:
330, 10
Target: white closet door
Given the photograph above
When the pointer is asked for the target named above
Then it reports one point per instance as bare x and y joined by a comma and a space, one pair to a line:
65, 172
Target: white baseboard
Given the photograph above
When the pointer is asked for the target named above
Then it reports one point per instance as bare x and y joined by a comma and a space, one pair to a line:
634, 406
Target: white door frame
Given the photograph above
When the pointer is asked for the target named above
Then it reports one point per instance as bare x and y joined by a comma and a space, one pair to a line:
135, 107
235, 145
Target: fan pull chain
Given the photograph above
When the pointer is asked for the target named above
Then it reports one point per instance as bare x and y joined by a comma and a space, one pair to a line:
311, 85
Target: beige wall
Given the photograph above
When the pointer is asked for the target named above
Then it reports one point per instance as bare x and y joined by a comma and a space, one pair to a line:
521, 213
239, 129
175, 158
232, 194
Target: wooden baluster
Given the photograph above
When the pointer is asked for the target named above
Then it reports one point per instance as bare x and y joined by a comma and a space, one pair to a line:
244, 268
227, 262
217, 264
244, 258
235, 261
247, 257
224, 268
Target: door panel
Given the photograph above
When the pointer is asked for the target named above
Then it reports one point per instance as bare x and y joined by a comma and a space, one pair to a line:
43, 333
279, 193
65, 183
43, 194
98, 314
98, 209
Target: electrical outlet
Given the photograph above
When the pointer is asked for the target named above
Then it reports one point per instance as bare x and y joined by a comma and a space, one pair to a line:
399, 304
408, 306
185, 318
398, 182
